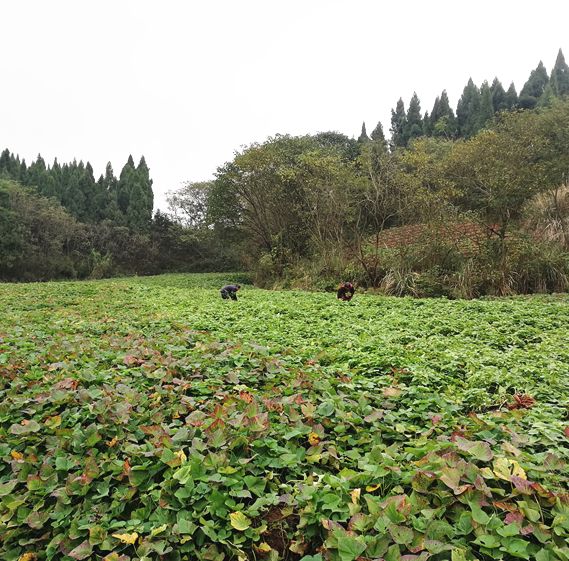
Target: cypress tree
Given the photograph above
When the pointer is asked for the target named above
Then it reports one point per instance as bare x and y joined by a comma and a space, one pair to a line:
38, 174
16, 167
52, 181
467, 110
427, 125
57, 174
24, 172
414, 124
126, 180
143, 173
398, 123
110, 181
87, 186
141, 198
10, 164
445, 108
560, 76
534, 87
5, 163
443, 120
377, 133
486, 111
436, 112
547, 96
73, 195
110, 188
363, 136
511, 99
498, 96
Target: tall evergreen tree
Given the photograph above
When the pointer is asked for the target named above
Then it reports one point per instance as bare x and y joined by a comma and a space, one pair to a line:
126, 180
547, 96
38, 174
109, 180
87, 186
24, 172
110, 187
55, 173
427, 125
534, 87
73, 197
486, 111
377, 133
436, 111
143, 172
414, 124
398, 123
443, 120
467, 110
51, 182
5, 167
141, 198
511, 100
498, 96
363, 135
560, 76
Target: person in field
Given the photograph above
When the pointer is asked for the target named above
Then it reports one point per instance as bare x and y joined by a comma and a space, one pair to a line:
346, 291
230, 291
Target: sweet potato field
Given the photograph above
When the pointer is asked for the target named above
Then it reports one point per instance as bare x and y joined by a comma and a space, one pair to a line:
148, 419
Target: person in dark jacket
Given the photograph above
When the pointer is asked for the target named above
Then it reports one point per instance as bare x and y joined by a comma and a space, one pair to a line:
230, 291
346, 291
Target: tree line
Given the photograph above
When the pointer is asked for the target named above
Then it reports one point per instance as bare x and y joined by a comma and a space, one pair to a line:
475, 108
126, 200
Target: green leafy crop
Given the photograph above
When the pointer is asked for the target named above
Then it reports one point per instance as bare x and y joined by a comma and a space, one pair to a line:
149, 419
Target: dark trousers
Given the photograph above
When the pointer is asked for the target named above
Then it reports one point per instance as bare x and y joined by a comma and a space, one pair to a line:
226, 295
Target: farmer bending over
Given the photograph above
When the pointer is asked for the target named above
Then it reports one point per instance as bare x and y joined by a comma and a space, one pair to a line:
230, 291
346, 291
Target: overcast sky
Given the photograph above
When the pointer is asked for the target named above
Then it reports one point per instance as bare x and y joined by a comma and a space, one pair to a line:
186, 83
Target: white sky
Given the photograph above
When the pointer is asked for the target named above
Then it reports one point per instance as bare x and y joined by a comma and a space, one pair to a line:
186, 83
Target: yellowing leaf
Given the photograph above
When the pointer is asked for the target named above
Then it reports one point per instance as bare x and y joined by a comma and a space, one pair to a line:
517, 470
127, 538
356, 495
505, 468
27, 557
53, 422
112, 442
19, 456
502, 468
372, 488
313, 439
158, 530
263, 547
239, 521
180, 454
297, 547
